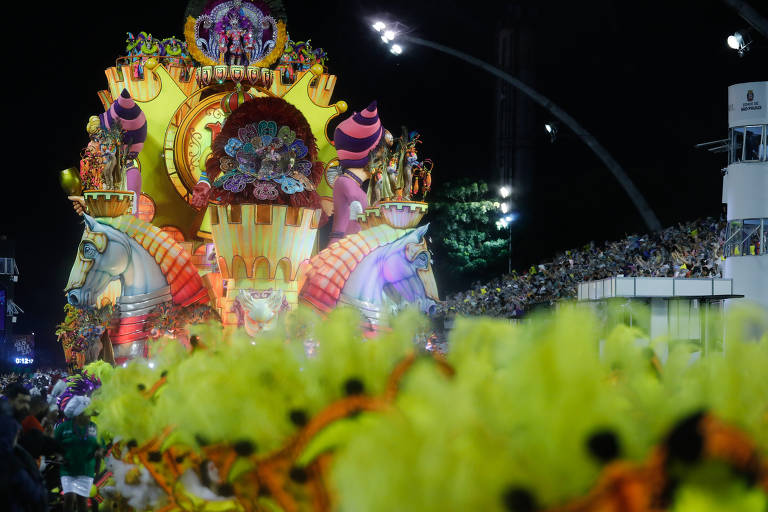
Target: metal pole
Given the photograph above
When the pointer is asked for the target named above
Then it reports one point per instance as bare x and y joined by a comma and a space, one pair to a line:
750, 15
509, 251
649, 217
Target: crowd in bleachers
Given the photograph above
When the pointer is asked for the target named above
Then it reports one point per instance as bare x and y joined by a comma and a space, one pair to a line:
691, 249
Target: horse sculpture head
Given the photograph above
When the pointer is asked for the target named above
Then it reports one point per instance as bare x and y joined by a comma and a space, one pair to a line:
103, 255
378, 270
405, 270
143, 257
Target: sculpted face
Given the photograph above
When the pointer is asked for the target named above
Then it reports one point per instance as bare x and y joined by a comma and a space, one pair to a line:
92, 244
409, 270
97, 263
419, 255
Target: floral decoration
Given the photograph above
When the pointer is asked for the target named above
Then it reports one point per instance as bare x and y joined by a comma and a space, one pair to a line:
81, 328
171, 320
264, 155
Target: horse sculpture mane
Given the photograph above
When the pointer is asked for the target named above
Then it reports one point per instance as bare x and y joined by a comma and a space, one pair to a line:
329, 271
175, 263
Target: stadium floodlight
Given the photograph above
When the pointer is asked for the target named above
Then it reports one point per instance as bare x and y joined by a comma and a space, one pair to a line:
505, 191
504, 207
379, 26
389, 35
551, 130
396, 49
739, 41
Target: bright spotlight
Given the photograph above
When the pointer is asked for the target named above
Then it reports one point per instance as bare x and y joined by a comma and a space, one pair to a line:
379, 26
396, 49
551, 130
389, 34
505, 191
512, 217
739, 41
504, 207
384, 38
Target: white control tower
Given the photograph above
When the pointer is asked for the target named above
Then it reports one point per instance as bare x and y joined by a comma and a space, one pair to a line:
745, 191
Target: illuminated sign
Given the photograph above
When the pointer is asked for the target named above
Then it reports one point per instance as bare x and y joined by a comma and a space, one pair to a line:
747, 104
24, 360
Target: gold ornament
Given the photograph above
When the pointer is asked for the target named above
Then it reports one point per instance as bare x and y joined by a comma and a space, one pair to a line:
69, 179
94, 125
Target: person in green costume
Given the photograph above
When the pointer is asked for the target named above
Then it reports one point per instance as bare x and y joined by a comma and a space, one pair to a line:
81, 449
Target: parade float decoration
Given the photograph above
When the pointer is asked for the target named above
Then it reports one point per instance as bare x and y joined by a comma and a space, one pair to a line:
239, 109
263, 174
300, 56
379, 271
139, 49
82, 335
152, 268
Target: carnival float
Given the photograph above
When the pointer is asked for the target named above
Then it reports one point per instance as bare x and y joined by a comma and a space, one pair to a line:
232, 364
205, 180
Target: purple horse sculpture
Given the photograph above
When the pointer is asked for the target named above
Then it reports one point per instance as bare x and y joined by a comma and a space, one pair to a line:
379, 271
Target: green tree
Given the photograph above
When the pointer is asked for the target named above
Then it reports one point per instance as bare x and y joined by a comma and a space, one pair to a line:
466, 239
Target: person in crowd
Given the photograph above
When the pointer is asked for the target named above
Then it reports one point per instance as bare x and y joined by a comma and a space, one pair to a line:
18, 399
81, 449
33, 437
38, 408
21, 485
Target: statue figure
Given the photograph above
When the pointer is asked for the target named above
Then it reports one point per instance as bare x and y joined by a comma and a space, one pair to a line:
360, 145
259, 309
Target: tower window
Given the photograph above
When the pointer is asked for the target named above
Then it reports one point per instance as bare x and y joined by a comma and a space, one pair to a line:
754, 148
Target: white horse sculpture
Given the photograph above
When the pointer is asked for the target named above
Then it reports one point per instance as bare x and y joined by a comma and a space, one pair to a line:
152, 268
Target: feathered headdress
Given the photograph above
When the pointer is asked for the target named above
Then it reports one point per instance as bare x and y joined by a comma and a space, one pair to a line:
78, 386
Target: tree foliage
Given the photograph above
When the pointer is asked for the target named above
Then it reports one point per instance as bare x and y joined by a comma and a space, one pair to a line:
464, 216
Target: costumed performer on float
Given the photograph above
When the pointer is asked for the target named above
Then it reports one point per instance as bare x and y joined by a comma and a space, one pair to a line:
359, 142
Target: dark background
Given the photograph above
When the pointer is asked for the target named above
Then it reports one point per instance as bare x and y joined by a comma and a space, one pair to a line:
648, 79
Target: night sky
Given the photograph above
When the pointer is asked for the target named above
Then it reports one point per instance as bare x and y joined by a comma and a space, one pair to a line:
648, 79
